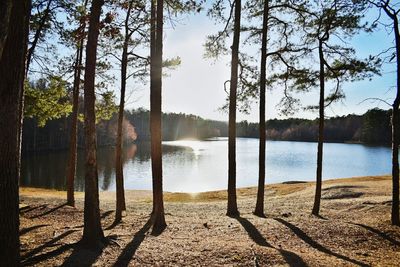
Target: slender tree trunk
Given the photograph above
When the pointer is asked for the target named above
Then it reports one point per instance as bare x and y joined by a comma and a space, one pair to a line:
5, 11
73, 144
71, 166
396, 133
318, 186
158, 218
36, 37
259, 211
152, 54
12, 66
232, 203
395, 164
119, 173
93, 235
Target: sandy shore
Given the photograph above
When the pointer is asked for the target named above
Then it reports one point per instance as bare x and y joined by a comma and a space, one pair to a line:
354, 228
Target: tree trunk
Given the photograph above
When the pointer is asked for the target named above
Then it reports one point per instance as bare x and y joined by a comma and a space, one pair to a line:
395, 163
152, 54
232, 203
396, 133
71, 166
12, 66
119, 173
73, 145
318, 186
259, 211
158, 218
5, 11
93, 236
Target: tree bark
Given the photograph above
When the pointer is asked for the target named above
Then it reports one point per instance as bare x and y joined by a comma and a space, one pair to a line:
93, 235
12, 66
5, 11
119, 173
158, 218
152, 54
396, 133
73, 144
318, 186
71, 166
232, 202
259, 211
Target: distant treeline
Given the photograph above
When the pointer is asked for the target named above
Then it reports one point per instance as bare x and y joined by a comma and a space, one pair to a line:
371, 128
374, 127
55, 134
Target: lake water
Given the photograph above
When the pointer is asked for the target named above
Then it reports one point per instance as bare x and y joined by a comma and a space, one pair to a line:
195, 166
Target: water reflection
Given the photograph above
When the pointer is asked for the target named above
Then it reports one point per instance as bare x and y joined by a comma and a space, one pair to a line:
47, 169
193, 166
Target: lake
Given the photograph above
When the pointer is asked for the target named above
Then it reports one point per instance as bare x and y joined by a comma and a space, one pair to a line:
196, 166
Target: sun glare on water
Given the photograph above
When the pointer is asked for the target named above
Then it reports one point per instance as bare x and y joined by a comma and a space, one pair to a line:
195, 145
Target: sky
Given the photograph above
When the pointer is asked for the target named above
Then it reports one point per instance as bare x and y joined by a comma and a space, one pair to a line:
196, 86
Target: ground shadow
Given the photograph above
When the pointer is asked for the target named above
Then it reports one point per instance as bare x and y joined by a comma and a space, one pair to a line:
28, 229
106, 214
27, 209
381, 234
28, 257
344, 187
130, 249
49, 211
253, 232
112, 226
114, 223
82, 256
291, 258
33, 261
302, 235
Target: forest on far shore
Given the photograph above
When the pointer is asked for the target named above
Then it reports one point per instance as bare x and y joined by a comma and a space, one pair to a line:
373, 127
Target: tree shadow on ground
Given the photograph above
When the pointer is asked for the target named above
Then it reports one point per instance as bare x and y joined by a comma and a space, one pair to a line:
82, 256
291, 258
302, 235
28, 229
130, 249
381, 234
36, 260
49, 211
113, 225
253, 232
29, 257
27, 209
106, 214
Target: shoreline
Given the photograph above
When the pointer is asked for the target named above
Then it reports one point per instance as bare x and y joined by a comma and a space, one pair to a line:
275, 189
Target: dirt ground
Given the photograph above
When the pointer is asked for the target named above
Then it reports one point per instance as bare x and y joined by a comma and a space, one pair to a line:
354, 228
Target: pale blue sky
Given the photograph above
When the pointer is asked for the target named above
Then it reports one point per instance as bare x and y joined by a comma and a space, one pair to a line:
196, 87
